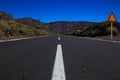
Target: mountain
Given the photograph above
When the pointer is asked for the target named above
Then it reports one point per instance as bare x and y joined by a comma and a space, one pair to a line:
63, 26
31, 27
12, 28
6, 16
30, 21
96, 29
55, 27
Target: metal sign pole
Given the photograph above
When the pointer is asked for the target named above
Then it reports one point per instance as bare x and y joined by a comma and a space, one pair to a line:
111, 30
112, 19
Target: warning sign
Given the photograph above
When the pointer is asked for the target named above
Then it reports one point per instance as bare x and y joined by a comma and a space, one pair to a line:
112, 18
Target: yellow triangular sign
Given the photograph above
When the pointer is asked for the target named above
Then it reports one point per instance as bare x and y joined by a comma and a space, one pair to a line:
112, 18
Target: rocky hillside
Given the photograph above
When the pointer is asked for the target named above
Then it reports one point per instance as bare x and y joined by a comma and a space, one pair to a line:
10, 28
30, 22
64, 26
96, 29
6, 16
27, 27
55, 27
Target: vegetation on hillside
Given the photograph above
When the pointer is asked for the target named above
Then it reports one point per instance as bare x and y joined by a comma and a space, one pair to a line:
96, 29
28, 27
9, 28
61, 27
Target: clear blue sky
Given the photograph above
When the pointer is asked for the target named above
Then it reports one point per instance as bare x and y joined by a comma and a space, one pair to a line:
62, 10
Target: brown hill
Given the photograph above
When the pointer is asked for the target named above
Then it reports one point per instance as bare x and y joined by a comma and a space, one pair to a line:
96, 29
10, 28
55, 27
6, 16
63, 26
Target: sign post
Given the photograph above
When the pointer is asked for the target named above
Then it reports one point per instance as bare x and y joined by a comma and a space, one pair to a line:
111, 30
112, 19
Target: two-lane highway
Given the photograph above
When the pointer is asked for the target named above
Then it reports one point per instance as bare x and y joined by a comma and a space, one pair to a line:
61, 58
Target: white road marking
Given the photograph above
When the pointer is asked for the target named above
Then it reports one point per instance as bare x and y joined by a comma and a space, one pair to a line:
58, 70
99, 39
96, 39
23, 38
59, 37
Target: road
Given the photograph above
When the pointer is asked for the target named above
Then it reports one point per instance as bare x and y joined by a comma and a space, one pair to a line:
82, 59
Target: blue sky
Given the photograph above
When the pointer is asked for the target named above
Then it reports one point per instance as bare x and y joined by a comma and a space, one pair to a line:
62, 10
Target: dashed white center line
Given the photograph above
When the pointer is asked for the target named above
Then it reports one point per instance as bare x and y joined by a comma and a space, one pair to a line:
58, 70
59, 37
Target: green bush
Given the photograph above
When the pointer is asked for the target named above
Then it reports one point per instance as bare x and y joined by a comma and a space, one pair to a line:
35, 31
115, 30
43, 32
1, 34
27, 31
4, 28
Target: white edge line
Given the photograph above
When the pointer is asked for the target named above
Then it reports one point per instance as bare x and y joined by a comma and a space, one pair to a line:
23, 38
99, 39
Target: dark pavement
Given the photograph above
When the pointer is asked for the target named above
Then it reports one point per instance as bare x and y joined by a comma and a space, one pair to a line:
28, 59
90, 59
84, 59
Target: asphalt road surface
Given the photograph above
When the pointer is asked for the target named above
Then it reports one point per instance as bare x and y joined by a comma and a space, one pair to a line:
83, 59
